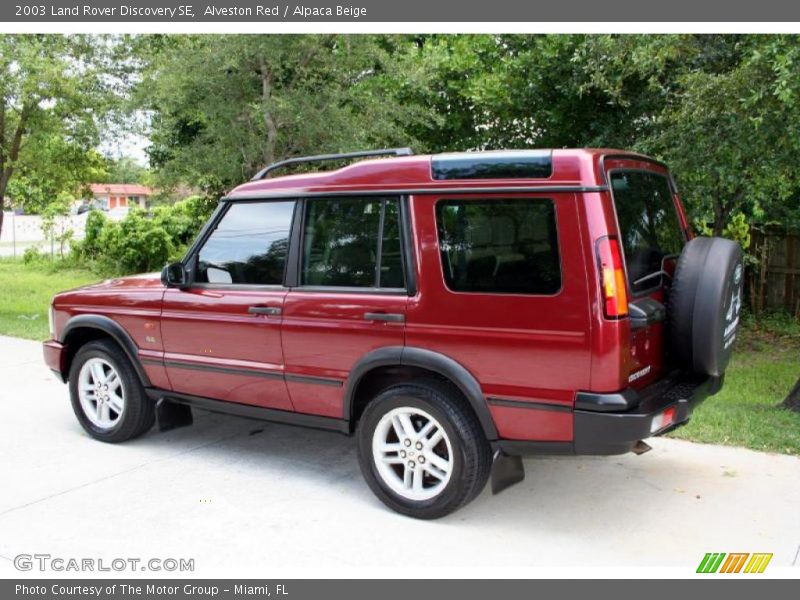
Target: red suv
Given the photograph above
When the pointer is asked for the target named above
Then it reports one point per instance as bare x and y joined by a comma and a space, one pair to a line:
454, 312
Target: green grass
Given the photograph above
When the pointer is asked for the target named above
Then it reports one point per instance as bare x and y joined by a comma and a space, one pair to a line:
746, 411
25, 294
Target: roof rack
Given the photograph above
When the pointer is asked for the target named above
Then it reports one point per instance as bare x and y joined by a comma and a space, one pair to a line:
324, 157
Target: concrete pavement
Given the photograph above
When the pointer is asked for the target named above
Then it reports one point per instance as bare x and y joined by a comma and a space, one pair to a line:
235, 495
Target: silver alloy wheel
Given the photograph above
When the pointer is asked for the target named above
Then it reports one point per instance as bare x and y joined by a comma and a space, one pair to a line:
101, 393
412, 453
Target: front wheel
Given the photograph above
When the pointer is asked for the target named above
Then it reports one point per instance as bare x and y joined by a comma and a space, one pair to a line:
422, 450
107, 397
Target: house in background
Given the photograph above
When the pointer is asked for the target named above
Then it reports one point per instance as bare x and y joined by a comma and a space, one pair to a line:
115, 195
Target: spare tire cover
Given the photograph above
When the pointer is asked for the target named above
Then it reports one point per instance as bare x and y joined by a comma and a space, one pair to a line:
704, 304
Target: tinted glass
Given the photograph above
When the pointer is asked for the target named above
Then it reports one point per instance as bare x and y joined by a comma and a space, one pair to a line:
248, 246
530, 164
649, 225
341, 243
499, 246
392, 248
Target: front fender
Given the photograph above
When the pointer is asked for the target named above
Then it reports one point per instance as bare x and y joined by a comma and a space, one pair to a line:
112, 329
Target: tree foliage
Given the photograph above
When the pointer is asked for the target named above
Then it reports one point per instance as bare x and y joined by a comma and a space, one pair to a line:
139, 242
224, 106
722, 110
54, 94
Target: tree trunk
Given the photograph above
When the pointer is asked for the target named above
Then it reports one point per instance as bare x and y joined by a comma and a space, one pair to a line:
267, 79
720, 218
792, 401
3, 186
7, 161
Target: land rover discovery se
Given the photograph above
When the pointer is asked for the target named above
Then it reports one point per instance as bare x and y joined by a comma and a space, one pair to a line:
454, 312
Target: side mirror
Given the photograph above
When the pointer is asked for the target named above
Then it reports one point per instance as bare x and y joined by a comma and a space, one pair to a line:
174, 275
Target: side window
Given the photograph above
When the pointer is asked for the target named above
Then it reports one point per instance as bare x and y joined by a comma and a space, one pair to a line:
352, 242
248, 246
502, 246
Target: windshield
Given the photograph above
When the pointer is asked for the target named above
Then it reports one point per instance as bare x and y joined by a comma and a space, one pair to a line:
649, 225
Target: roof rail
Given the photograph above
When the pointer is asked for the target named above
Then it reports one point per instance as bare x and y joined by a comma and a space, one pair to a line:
324, 157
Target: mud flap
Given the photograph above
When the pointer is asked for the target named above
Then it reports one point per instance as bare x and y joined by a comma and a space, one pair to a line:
171, 415
506, 471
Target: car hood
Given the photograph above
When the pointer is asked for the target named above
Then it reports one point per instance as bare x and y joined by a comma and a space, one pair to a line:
147, 282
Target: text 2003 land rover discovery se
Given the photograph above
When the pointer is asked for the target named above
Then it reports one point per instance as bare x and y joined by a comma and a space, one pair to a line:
453, 311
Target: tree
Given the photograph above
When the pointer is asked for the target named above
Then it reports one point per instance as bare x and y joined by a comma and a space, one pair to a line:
54, 92
224, 106
522, 91
729, 133
792, 400
720, 109
126, 170
58, 168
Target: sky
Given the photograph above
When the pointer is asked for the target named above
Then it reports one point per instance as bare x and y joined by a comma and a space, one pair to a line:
129, 144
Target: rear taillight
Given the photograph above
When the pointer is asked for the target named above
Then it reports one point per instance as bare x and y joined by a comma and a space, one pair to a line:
612, 278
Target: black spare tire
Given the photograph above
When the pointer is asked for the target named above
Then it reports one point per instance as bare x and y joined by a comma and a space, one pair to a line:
704, 304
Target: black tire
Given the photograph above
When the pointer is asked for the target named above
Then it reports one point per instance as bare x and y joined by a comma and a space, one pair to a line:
704, 304
472, 456
138, 413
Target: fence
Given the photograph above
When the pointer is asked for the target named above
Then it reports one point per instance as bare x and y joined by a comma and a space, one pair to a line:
774, 283
24, 231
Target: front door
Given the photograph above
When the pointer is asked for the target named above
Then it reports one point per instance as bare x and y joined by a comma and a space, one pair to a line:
350, 296
222, 336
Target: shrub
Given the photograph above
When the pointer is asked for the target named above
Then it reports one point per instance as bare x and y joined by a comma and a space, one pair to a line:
89, 247
34, 256
140, 242
134, 245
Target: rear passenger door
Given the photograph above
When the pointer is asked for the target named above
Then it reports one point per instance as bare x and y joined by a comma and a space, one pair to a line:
348, 296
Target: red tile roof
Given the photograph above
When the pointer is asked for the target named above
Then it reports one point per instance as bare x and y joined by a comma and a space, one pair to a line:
120, 189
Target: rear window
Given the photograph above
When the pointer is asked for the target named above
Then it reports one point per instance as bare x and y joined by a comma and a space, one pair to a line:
649, 225
499, 246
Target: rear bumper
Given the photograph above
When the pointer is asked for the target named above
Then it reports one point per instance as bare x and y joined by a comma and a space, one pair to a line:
605, 432
55, 357
607, 424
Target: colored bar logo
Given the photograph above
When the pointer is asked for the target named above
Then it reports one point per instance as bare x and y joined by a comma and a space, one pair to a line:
719, 562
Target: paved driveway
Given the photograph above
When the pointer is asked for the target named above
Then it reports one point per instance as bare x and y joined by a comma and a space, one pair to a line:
235, 495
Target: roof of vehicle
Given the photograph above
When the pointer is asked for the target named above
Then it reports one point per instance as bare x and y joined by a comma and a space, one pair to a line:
571, 169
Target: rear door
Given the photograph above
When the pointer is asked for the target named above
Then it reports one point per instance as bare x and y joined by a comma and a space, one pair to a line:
349, 296
652, 234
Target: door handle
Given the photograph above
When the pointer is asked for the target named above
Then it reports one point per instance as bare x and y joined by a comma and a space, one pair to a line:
386, 317
264, 310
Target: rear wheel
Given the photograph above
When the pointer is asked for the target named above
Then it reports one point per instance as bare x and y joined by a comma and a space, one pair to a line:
107, 397
422, 450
